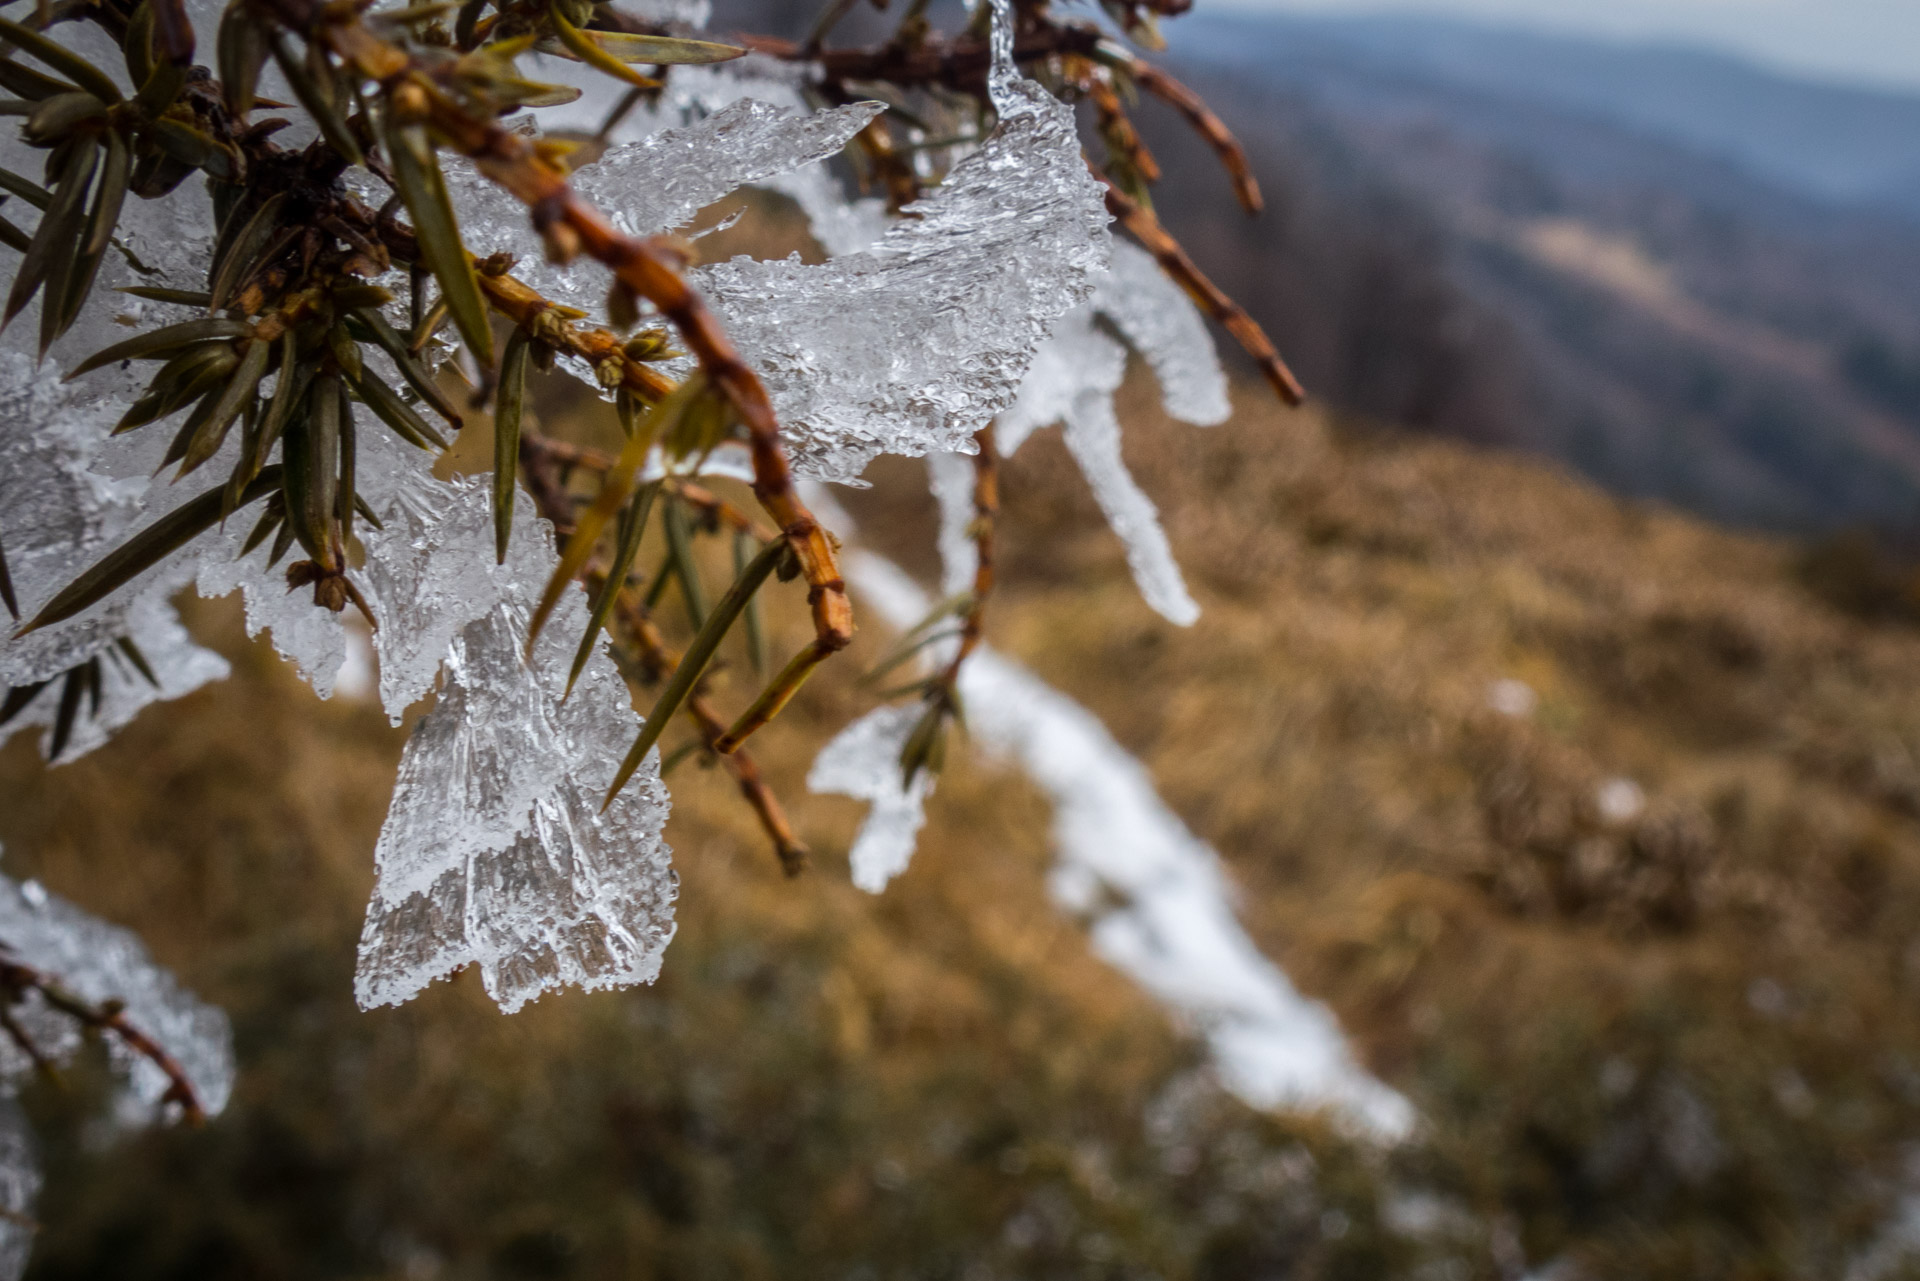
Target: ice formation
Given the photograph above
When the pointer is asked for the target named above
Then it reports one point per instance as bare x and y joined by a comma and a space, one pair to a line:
912, 345
60, 513
1155, 896
951, 478
1093, 438
655, 183
430, 570
863, 761
1160, 322
178, 665
97, 962
495, 851
1157, 899
1073, 382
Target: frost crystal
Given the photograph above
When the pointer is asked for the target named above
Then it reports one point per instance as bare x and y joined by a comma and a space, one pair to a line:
179, 667
863, 761
102, 962
97, 962
495, 851
55, 513
911, 346
429, 572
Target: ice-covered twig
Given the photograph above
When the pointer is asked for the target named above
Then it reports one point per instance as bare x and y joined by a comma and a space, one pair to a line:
109, 1016
64, 972
1155, 896
648, 266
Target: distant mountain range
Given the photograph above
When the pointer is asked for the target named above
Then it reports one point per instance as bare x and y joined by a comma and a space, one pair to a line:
1844, 144
1690, 278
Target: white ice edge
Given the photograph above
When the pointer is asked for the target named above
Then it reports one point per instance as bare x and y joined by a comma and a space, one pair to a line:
1166, 917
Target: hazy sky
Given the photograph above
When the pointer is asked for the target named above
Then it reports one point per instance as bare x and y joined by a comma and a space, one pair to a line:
1873, 41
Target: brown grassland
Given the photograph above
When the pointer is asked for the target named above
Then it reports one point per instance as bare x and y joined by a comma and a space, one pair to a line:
1678, 1043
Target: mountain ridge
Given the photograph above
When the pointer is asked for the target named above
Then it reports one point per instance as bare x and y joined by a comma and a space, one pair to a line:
1847, 143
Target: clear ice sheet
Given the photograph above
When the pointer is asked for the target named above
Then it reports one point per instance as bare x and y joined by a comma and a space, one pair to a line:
56, 512
863, 761
99, 962
495, 851
910, 346
60, 514
654, 184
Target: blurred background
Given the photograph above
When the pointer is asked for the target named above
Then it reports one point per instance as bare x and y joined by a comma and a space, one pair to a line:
1554, 709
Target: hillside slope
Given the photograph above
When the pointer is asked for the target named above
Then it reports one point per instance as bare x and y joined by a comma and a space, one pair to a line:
1641, 953
1491, 259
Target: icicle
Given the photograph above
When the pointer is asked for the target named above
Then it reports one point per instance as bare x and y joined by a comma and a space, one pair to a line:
1080, 360
1160, 322
863, 761
1073, 380
1093, 437
951, 478
495, 851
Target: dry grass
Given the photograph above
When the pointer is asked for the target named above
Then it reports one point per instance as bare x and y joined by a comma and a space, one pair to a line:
1679, 1044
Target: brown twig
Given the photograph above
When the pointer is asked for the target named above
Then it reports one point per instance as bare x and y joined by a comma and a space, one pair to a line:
1173, 260
693, 494
1209, 126
1123, 141
661, 660
106, 1016
600, 348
